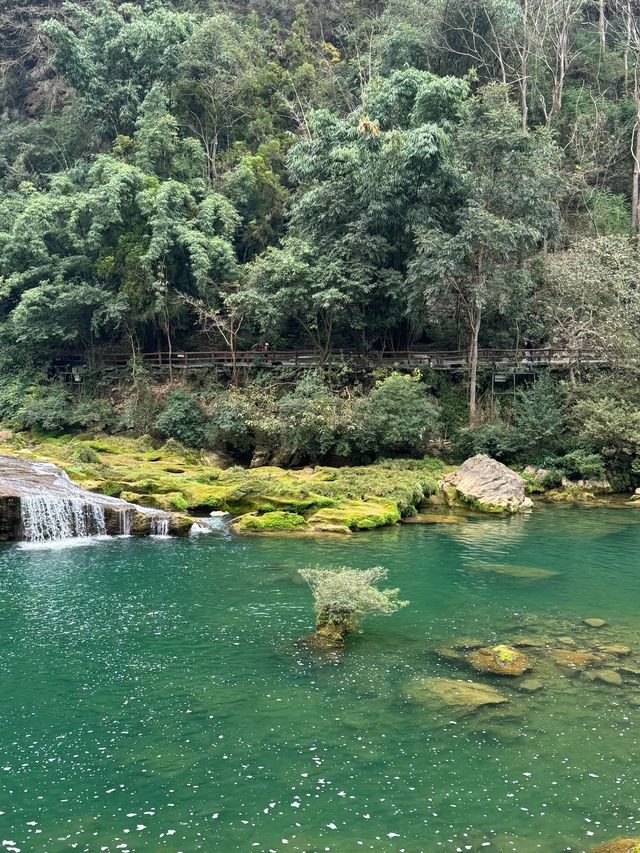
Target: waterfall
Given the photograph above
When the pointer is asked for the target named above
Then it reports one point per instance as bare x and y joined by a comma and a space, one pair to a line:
160, 526
126, 522
49, 519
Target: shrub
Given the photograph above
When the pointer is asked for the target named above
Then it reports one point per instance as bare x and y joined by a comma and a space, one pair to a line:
538, 417
344, 596
578, 464
397, 417
49, 411
496, 439
17, 389
552, 479
309, 419
183, 419
95, 414
229, 428
86, 454
140, 409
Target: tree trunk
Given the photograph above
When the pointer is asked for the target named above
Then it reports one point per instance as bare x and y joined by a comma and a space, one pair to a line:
523, 92
234, 359
602, 29
167, 331
475, 316
635, 190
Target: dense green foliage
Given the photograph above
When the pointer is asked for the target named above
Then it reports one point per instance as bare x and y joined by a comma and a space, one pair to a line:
368, 175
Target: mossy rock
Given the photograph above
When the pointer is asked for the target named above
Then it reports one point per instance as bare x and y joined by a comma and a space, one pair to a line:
619, 845
332, 500
167, 502
358, 515
270, 522
180, 524
499, 660
319, 643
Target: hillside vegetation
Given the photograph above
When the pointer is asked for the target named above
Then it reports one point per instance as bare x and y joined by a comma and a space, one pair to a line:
361, 175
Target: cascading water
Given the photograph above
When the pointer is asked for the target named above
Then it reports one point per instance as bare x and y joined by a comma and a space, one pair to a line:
126, 522
50, 519
40, 505
160, 526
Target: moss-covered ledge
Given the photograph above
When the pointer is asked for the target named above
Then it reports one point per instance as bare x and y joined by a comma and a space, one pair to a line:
267, 500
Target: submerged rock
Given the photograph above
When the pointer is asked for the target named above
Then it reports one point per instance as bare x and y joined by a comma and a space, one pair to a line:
466, 644
499, 660
616, 650
567, 641
568, 659
595, 623
448, 654
618, 845
486, 485
319, 643
527, 572
528, 643
433, 518
632, 671
464, 695
531, 685
605, 676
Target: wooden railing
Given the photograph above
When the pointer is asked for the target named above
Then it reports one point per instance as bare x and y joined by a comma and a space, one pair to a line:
527, 359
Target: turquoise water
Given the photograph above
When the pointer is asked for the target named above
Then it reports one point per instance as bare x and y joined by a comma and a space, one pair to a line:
153, 696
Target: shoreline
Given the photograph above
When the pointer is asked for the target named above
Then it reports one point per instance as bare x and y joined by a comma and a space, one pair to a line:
312, 501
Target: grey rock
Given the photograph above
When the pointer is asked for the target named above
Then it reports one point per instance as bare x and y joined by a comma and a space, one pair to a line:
484, 480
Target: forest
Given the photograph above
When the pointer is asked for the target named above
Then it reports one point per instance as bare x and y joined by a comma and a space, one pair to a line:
354, 175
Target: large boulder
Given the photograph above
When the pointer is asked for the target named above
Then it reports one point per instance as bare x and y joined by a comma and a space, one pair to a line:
486, 485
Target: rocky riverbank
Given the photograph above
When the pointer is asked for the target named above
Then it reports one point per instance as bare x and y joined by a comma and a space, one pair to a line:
173, 480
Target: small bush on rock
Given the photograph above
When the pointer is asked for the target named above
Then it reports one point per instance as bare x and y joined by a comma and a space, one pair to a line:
344, 596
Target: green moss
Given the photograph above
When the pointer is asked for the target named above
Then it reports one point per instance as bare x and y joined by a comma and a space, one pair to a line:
358, 515
504, 654
167, 502
330, 499
479, 505
270, 522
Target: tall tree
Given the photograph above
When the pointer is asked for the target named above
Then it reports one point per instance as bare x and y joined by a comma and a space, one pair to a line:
365, 183
512, 185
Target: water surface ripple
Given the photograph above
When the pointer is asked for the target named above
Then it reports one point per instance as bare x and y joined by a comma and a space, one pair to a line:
153, 697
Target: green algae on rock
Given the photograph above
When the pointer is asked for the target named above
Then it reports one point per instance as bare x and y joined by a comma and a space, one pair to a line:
270, 522
618, 845
499, 660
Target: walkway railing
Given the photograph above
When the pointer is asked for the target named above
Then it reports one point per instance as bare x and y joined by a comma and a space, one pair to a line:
526, 359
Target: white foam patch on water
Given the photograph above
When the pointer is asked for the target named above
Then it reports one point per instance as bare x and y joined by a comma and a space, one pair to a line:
61, 544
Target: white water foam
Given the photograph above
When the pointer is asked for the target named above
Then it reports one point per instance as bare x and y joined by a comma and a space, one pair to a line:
160, 526
54, 519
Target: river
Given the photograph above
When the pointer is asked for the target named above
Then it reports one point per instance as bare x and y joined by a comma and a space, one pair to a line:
154, 698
